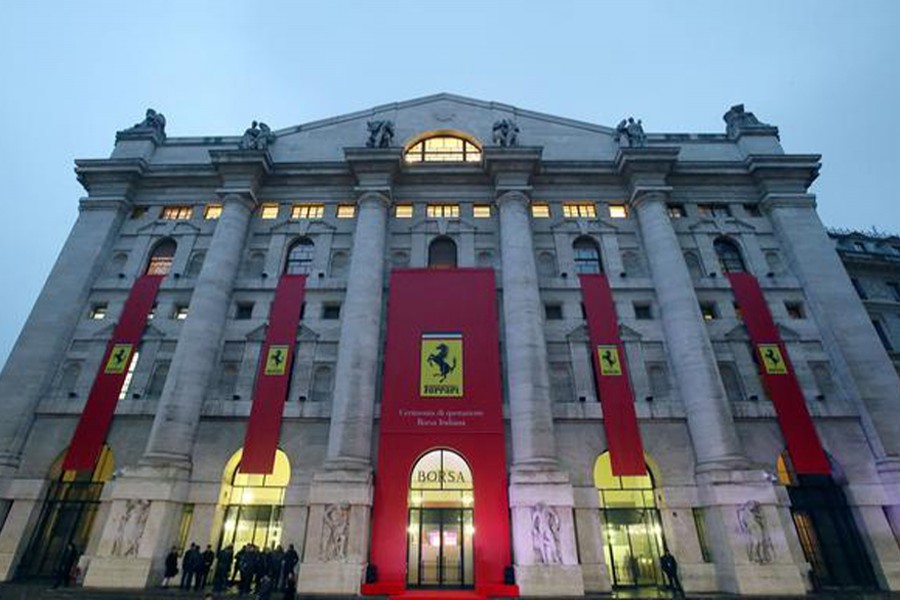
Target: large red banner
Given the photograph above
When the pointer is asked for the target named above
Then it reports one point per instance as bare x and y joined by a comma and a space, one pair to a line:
273, 377
441, 390
87, 441
778, 378
611, 369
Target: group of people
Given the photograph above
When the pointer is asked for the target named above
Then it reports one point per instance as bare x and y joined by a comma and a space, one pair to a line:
262, 571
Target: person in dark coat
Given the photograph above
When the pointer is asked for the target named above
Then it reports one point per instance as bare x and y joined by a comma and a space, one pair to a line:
66, 565
264, 588
224, 558
263, 562
238, 560
276, 565
205, 565
291, 558
290, 586
171, 566
670, 568
189, 566
248, 569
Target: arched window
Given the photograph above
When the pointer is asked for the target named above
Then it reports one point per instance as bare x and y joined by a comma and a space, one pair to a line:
546, 264
485, 259
117, 264
587, 256
161, 258
732, 382
693, 264
729, 256
632, 263
322, 384
195, 264
442, 253
69, 379
399, 259
340, 262
254, 265
300, 257
158, 379
443, 148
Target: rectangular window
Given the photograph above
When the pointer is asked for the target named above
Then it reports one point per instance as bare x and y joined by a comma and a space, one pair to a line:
331, 312
676, 211
212, 212
346, 211
98, 311
540, 210
752, 210
700, 526
795, 310
618, 211
716, 211
894, 287
553, 312
308, 211
579, 210
481, 211
860, 290
642, 312
738, 311
268, 211
403, 211
709, 311
882, 335
176, 213
138, 211
180, 313
243, 311
443, 211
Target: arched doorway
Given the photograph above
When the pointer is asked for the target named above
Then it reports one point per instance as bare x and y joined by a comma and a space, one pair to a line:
828, 535
252, 505
441, 525
442, 253
633, 537
67, 516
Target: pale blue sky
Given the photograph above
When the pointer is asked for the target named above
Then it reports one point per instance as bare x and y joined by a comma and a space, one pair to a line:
73, 73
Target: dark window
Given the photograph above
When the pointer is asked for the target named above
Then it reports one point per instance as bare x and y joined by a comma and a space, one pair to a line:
158, 380
860, 290
731, 381
243, 311
859, 246
195, 264
738, 311
729, 256
714, 210
883, 336
587, 256
442, 253
676, 211
642, 312
795, 310
138, 211
300, 256
331, 311
752, 210
553, 312
895, 289
323, 384
709, 311
161, 258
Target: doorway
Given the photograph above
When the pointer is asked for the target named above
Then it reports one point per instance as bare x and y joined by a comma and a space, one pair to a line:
441, 525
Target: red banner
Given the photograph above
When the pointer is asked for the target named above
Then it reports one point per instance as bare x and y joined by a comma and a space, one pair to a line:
778, 378
623, 436
273, 377
441, 390
87, 441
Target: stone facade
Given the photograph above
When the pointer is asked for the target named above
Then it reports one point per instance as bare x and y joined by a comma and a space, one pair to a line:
654, 212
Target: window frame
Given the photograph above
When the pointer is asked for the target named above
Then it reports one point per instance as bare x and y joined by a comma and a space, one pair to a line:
307, 211
176, 212
420, 153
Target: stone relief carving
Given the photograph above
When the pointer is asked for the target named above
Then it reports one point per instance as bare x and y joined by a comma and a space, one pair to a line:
257, 137
545, 534
737, 120
506, 133
131, 527
153, 121
630, 133
753, 527
334, 532
381, 133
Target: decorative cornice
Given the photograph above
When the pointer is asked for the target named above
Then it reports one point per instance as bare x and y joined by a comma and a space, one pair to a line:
777, 200
783, 172
241, 172
511, 168
658, 160
113, 177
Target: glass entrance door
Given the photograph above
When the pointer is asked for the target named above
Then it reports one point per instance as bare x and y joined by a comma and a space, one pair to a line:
440, 548
633, 547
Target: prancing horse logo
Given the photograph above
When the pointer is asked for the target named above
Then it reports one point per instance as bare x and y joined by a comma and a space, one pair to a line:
439, 360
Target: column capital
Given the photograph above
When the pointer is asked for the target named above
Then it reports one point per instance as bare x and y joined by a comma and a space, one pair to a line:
511, 168
241, 171
647, 194
513, 197
374, 168
113, 178
775, 200
370, 196
246, 198
644, 168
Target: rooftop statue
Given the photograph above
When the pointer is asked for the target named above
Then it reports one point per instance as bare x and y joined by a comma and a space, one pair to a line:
257, 137
381, 133
506, 133
153, 121
737, 120
630, 133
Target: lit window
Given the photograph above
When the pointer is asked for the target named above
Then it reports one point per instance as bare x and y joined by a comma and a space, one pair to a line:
403, 211
308, 211
618, 211
180, 313
443, 149
213, 211
443, 211
579, 210
676, 211
481, 211
176, 213
161, 258
98, 312
795, 310
716, 211
129, 375
268, 211
708, 310
346, 211
540, 211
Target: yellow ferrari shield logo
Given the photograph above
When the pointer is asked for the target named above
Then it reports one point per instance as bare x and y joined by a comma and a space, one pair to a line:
772, 361
118, 359
608, 356
276, 360
441, 365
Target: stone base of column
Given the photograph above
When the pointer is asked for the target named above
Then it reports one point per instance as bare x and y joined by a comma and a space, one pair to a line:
22, 507
747, 536
141, 526
337, 534
543, 527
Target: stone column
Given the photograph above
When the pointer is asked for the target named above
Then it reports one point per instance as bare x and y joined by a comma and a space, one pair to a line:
342, 490
726, 485
538, 489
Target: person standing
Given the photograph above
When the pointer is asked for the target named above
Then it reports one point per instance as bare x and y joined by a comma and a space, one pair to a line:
290, 585
66, 564
205, 565
171, 566
224, 558
276, 566
670, 569
189, 565
291, 558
